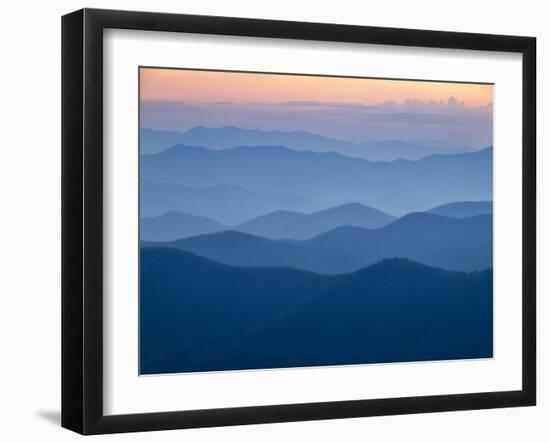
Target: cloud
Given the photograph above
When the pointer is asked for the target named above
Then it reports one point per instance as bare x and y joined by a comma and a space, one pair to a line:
451, 120
452, 105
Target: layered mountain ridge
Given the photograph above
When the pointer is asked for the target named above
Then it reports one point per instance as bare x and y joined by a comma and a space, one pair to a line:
456, 244
198, 315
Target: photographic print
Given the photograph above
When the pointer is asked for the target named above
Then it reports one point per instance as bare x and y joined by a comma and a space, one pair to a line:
291, 220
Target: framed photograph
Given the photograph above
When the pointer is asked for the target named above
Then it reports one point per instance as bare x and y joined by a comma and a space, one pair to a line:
269, 221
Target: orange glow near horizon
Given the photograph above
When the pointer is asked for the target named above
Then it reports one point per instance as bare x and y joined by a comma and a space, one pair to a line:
195, 86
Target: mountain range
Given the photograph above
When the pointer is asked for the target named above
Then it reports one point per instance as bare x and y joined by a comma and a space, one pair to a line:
463, 209
226, 137
175, 224
462, 244
298, 226
322, 179
199, 315
155, 141
275, 225
389, 150
227, 204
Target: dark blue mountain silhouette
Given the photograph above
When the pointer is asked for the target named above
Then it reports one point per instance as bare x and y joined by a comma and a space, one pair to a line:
293, 225
198, 315
330, 179
226, 204
451, 243
176, 224
463, 209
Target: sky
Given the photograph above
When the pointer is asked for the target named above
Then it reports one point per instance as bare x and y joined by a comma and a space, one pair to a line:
354, 109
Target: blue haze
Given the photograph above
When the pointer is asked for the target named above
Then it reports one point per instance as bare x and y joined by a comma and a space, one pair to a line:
327, 179
278, 224
155, 141
464, 244
274, 249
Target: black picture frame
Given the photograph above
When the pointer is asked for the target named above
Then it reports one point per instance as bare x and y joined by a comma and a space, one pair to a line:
82, 220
